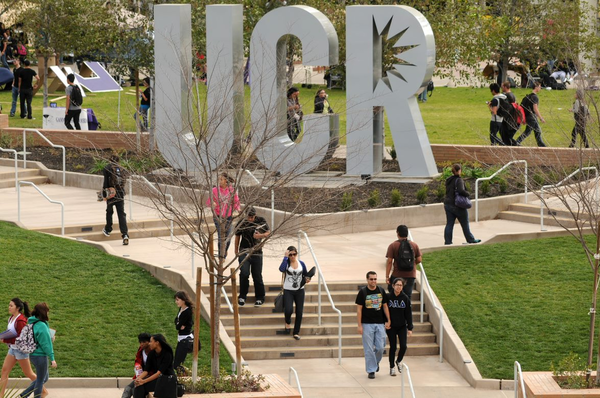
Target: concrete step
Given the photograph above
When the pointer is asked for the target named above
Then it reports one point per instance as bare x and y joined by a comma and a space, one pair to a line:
311, 306
275, 320
326, 329
333, 286
97, 228
535, 209
535, 219
328, 352
36, 179
23, 174
133, 233
309, 340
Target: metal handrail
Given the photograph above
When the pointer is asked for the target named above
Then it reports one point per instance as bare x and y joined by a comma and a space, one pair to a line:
62, 205
321, 281
519, 380
412, 390
16, 166
49, 142
144, 179
492, 176
292, 370
439, 310
558, 184
194, 268
272, 197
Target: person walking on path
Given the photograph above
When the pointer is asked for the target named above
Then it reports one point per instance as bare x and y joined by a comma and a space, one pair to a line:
43, 352
184, 322
403, 255
455, 184
15, 87
19, 312
532, 116
401, 323
248, 246
510, 96
295, 277
114, 193
496, 122
581, 113
72, 107
373, 319
26, 88
223, 201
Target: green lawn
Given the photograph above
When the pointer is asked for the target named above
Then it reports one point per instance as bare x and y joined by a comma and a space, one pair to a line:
523, 301
98, 303
451, 115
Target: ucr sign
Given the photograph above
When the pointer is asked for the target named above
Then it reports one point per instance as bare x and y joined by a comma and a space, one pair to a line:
369, 87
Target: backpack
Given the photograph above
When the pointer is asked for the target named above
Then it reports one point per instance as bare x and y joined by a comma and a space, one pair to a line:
26, 340
430, 88
76, 97
505, 110
519, 113
405, 260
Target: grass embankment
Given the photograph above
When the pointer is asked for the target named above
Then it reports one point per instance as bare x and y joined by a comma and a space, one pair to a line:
451, 115
522, 301
98, 303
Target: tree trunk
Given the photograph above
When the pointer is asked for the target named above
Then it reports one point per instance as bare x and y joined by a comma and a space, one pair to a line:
593, 310
217, 320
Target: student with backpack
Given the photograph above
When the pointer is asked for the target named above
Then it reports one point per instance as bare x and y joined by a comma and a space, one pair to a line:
403, 255
74, 102
494, 106
113, 191
532, 114
581, 113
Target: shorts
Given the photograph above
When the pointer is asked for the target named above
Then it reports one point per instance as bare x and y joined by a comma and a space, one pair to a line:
17, 354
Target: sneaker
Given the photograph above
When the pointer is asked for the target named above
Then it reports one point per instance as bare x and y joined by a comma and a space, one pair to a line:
241, 302
476, 241
296, 337
399, 365
12, 115
125, 240
393, 372
372, 375
105, 232
259, 303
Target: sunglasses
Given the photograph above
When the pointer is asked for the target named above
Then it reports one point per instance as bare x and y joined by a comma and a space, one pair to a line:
292, 254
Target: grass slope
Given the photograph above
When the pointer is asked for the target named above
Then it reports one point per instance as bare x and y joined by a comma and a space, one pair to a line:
525, 301
98, 303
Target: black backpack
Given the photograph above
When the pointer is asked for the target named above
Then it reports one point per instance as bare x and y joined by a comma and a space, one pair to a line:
76, 97
405, 260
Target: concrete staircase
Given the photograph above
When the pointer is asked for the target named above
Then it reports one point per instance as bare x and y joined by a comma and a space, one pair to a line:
261, 329
531, 214
7, 178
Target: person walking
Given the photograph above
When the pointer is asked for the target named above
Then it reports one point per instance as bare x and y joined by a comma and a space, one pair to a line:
510, 96
15, 87
44, 351
19, 312
401, 326
184, 322
223, 201
532, 116
72, 107
26, 88
581, 113
295, 277
494, 107
373, 319
248, 246
455, 184
160, 362
403, 255
114, 193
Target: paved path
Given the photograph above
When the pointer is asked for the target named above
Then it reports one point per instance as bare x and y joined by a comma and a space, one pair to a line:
342, 257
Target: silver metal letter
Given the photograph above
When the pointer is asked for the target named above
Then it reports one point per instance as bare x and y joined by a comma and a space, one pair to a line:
369, 88
268, 87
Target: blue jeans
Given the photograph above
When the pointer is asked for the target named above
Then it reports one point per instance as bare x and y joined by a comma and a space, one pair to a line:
532, 124
4, 61
452, 213
423, 95
41, 370
144, 112
373, 338
227, 228
15, 95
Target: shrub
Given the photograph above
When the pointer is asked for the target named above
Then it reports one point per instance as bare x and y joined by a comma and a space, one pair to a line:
570, 372
346, 201
422, 194
396, 198
98, 166
539, 178
392, 152
6, 141
374, 198
485, 187
440, 192
206, 384
503, 185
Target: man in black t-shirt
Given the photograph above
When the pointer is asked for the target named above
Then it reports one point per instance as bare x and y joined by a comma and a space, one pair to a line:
248, 238
532, 114
26, 88
373, 318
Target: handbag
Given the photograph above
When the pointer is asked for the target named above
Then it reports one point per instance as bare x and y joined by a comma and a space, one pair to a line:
279, 307
166, 386
189, 344
461, 201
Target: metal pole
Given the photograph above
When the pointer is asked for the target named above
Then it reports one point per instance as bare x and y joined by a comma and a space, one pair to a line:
19, 202
130, 201
526, 178
477, 200
119, 102
422, 291
24, 149
542, 210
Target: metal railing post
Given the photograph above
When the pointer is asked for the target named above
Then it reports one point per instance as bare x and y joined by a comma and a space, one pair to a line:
519, 380
492, 176
14, 152
406, 370
292, 370
64, 152
62, 205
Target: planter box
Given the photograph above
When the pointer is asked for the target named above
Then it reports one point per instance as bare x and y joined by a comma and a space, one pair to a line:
542, 384
278, 388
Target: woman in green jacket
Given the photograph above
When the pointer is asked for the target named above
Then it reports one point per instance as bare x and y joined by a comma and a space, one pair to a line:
44, 350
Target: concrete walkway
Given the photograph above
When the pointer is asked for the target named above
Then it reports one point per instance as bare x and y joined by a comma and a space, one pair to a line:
342, 257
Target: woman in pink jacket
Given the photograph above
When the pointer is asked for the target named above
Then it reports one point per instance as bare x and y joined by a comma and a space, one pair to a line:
223, 201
